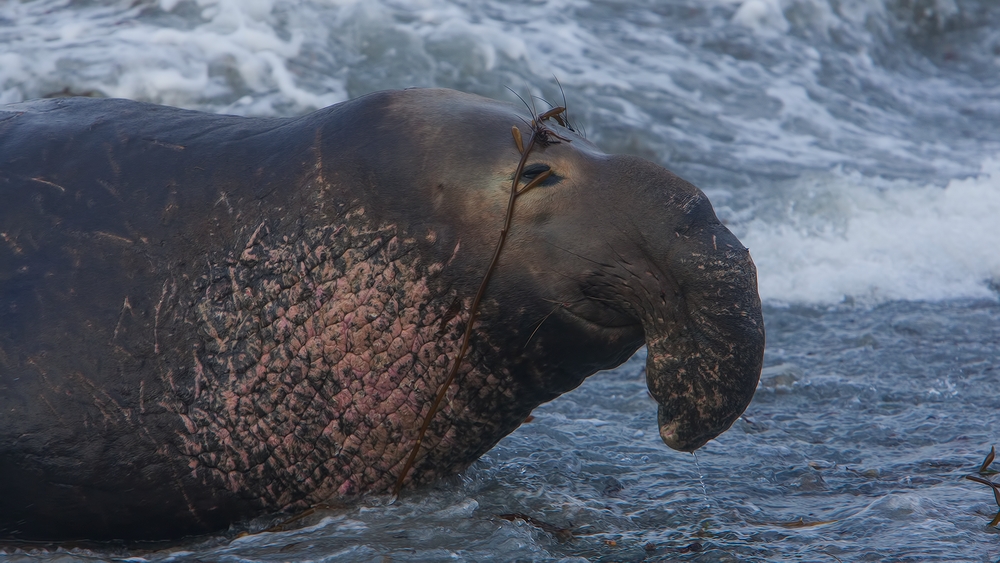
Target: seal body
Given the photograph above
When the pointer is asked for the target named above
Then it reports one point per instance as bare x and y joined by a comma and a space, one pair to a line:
206, 318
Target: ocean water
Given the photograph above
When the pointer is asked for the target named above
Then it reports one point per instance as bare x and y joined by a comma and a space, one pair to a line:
853, 145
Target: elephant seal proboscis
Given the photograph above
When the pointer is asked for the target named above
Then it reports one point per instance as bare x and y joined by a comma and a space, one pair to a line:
206, 318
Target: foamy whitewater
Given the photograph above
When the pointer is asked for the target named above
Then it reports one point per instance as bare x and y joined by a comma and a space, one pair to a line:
853, 145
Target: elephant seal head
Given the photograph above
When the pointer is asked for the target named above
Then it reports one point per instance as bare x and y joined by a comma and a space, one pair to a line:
607, 253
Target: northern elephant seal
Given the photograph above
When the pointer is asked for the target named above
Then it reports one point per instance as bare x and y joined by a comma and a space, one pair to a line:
204, 318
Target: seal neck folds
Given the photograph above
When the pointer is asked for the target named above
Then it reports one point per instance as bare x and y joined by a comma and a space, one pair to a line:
323, 354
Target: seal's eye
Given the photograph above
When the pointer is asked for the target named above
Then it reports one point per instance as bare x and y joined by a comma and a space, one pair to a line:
532, 170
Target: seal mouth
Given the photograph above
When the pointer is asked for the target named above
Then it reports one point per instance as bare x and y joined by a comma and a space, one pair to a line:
679, 427
675, 437
614, 323
668, 433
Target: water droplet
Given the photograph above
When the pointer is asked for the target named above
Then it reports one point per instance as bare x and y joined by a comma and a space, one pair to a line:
701, 479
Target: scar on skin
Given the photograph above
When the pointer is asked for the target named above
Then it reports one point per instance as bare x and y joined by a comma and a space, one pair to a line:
115, 167
170, 146
224, 198
53, 409
187, 499
111, 189
199, 375
12, 243
156, 318
318, 145
253, 237
113, 237
48, 183
126, 414
454, 253
125, 307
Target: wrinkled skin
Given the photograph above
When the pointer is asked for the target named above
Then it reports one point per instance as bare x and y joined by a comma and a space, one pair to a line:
207, 318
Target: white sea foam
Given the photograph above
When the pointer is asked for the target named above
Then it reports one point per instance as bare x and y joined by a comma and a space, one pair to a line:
848, 235
234, 47
771, 17
762, 15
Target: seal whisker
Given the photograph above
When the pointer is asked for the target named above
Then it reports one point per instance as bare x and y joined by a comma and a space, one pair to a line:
539, 325
565, 115
566, 250
522, 100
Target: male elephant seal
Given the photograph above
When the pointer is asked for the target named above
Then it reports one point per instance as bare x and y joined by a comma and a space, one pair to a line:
204, 318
